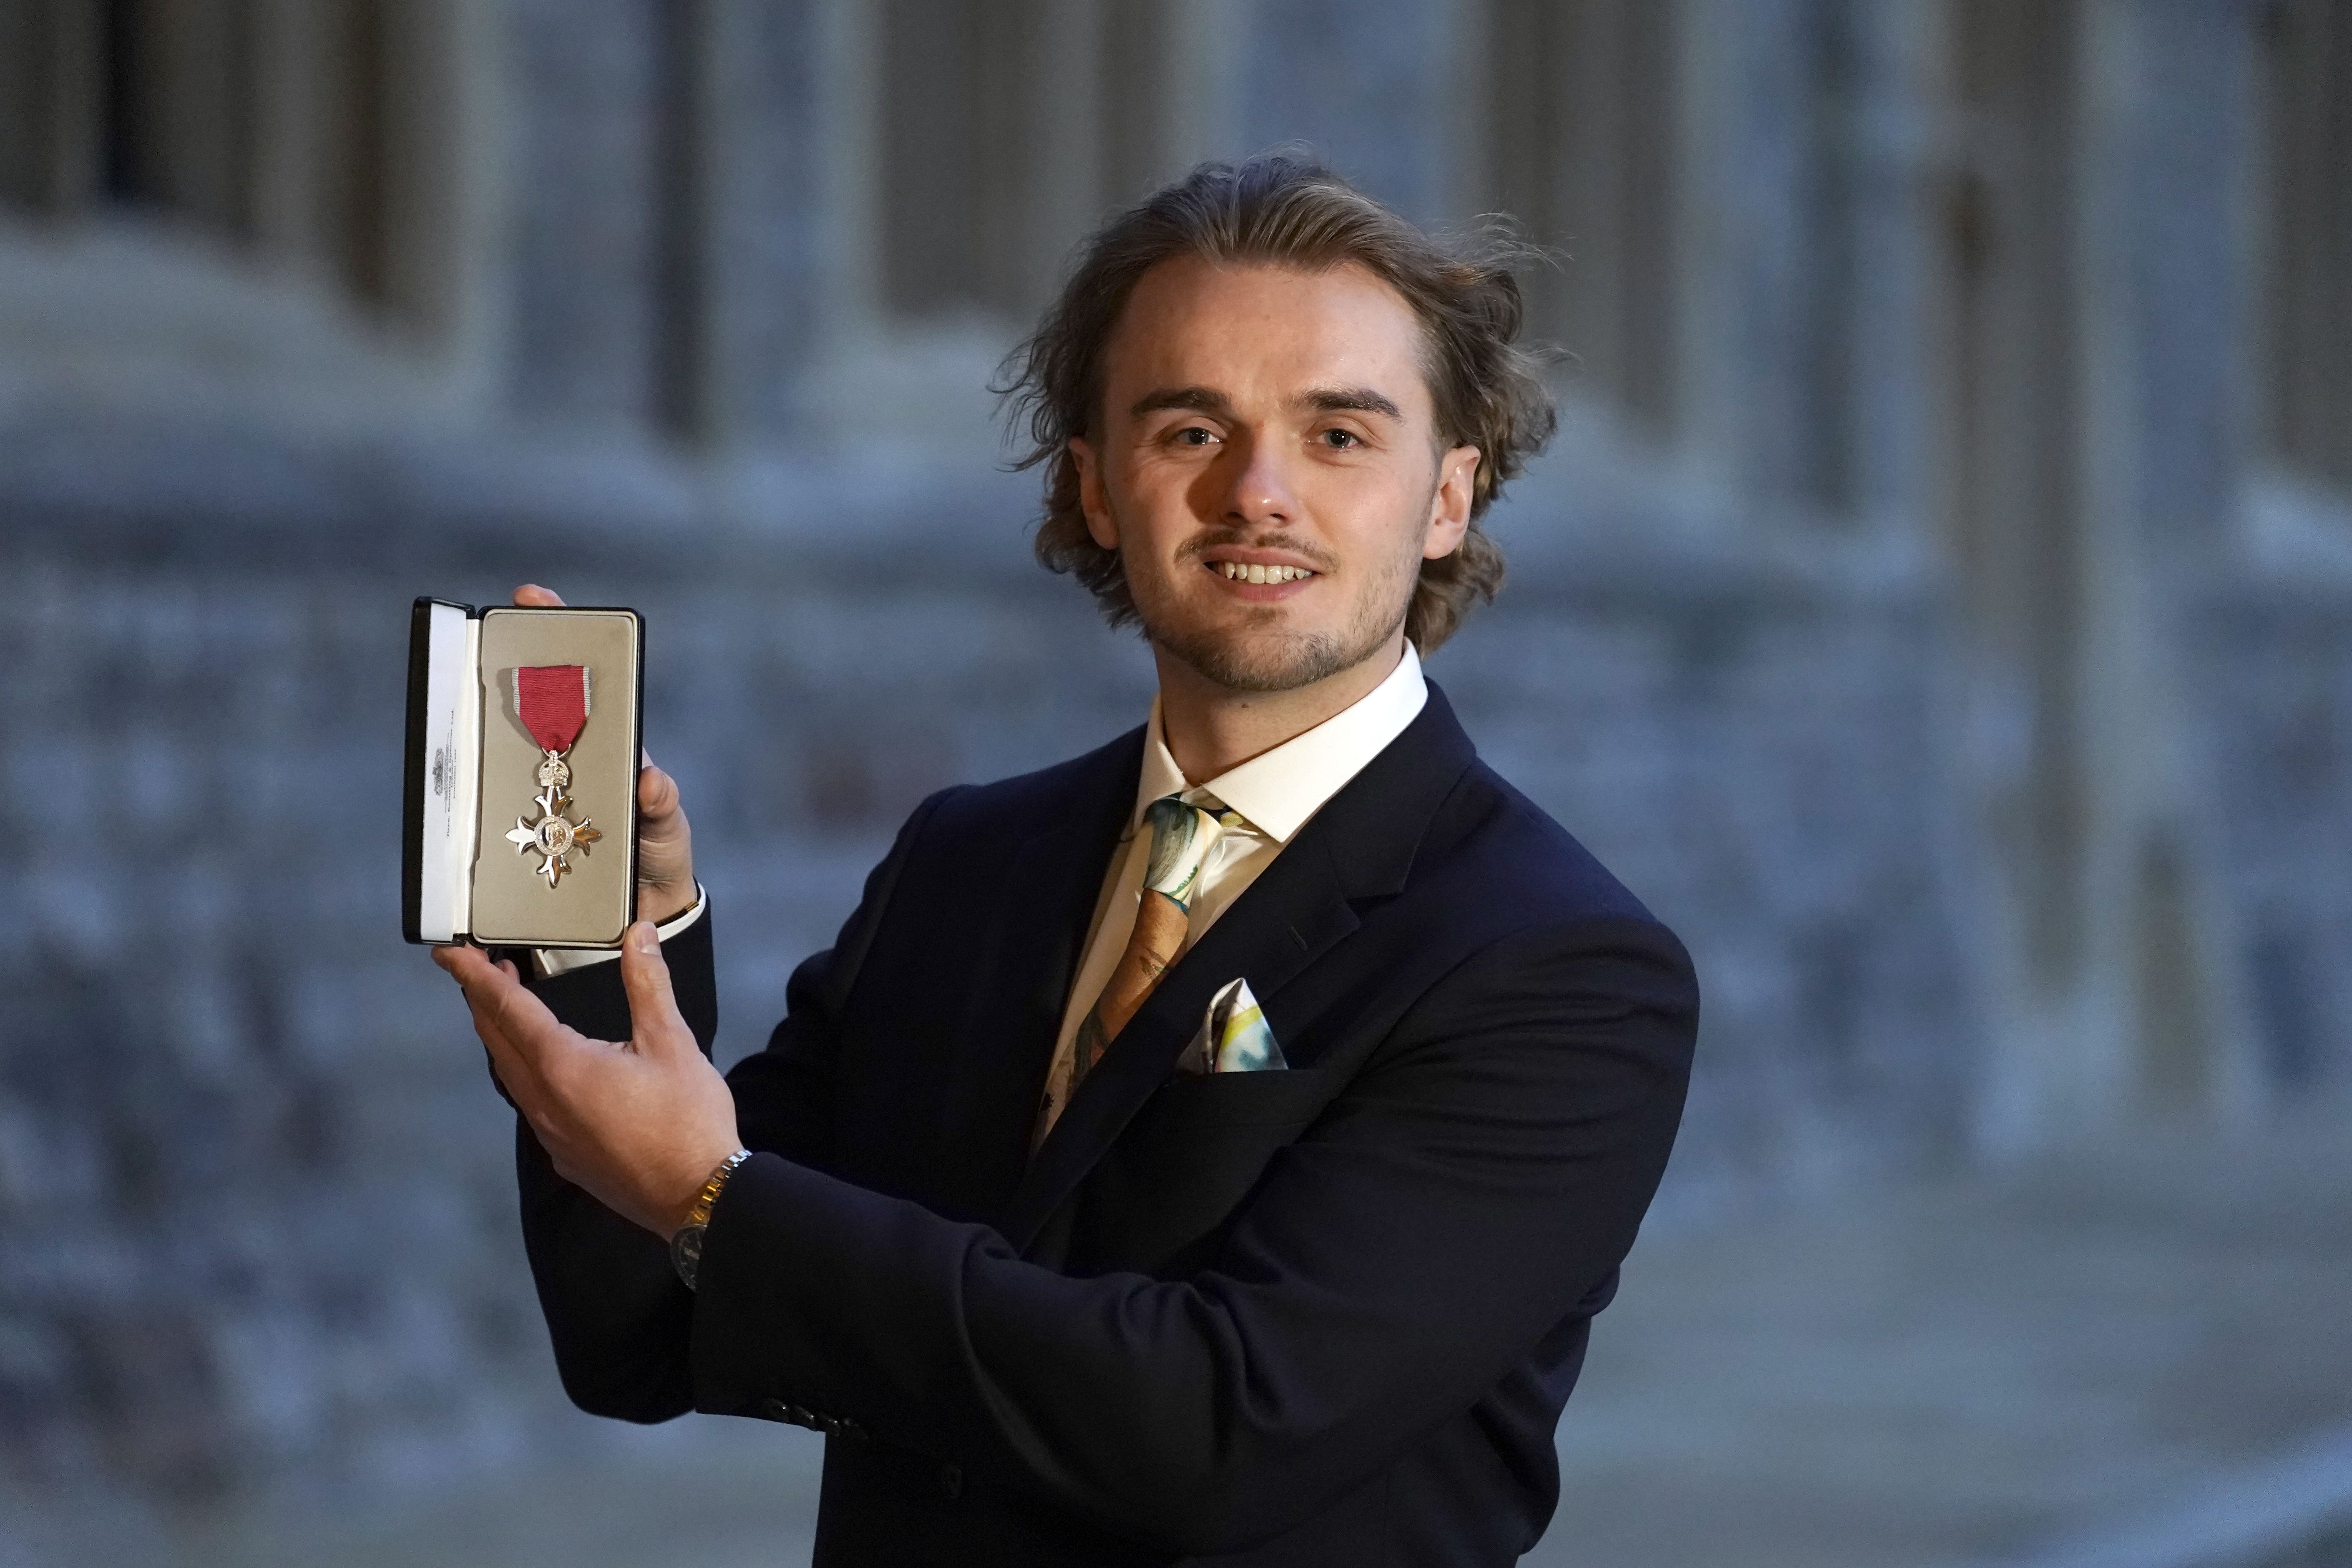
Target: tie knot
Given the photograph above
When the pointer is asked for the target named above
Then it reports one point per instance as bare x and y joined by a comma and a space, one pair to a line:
1182, 835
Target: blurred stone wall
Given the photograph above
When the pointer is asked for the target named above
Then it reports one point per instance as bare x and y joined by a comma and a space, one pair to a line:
254, 1201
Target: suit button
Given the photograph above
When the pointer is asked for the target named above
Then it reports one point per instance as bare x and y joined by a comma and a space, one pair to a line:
794, 1415
951, 1479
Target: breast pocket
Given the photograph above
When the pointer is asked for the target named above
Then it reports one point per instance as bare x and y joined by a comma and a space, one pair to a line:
1162, 1197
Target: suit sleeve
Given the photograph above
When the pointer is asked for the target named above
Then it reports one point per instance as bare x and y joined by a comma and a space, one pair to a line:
617, 1316
1486, 1170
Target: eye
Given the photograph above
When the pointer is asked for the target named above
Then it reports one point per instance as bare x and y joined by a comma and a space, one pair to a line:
1195, 435
1341, 440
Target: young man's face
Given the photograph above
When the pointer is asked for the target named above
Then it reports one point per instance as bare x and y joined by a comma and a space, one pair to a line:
1268, 466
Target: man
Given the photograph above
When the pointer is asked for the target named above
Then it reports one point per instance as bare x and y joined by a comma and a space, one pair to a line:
1213, 1148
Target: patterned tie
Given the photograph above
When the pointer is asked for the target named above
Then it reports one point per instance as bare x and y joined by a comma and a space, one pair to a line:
1181, 836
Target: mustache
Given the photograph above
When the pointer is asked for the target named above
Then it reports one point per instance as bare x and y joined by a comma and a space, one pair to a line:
1306, 549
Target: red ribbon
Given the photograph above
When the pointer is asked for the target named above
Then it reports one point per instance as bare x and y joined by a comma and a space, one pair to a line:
553, 702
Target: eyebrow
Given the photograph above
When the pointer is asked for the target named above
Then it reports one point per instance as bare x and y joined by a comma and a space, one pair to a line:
1199, 399
1349, 399
1322, 399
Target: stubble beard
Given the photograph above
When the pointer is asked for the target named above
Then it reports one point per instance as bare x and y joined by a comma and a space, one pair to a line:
1247, 659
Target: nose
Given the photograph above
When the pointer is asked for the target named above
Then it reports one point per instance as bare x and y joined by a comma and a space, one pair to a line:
1262, 490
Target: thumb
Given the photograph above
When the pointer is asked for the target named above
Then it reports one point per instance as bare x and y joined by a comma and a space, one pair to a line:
656, 794
655, 1022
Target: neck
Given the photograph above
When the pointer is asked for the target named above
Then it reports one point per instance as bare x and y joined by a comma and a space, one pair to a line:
1212, 729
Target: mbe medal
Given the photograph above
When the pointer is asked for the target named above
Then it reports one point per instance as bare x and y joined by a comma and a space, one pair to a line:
552, 701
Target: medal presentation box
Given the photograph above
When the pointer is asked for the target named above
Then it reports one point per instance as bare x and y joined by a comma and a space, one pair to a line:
524, 727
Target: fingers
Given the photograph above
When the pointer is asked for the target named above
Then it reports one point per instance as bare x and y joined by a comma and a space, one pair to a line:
492, 987
538, 599
463, 961
653, 1006
520, 1015
471, 968
516, 1071
656, 792
515, 1025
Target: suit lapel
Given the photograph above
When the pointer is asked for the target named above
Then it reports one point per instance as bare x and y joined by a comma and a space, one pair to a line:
1360, 846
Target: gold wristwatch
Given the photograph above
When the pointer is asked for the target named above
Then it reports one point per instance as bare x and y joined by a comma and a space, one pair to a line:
686, 1247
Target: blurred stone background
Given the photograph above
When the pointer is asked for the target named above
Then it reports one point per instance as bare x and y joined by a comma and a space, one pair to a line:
1937, 607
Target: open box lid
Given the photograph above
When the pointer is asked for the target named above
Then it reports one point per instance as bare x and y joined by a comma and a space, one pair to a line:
472, 766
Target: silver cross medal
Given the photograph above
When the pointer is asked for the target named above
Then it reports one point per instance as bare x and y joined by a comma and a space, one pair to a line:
554, 835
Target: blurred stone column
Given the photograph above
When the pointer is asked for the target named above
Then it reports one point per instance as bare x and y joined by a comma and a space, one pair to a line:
2166, 154
754, 137
665, 187
1890, 119
50, 126
845, 51
1567, 116
587, 78
1171, 90
1060, 191
2088, 222
364, 114
1808, 128
1366, 82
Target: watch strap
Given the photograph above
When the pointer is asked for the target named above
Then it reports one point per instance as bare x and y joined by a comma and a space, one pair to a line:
686, 1247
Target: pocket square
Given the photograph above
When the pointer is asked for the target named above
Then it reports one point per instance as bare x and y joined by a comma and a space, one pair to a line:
1234, 1038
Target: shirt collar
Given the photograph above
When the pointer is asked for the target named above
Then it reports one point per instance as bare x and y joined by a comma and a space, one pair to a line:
1277, 791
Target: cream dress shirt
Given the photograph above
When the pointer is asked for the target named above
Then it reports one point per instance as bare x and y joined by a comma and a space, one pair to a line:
1276, 792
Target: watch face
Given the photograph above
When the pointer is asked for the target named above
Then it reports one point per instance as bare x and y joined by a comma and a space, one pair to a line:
685, 1252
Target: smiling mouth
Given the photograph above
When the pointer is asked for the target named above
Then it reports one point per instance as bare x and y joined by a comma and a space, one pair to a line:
1235, 570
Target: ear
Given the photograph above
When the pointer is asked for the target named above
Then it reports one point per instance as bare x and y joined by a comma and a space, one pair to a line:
1449, 509
1094, 500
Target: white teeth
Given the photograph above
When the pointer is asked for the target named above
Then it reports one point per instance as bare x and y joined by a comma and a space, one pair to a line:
1257, 574
1237, 571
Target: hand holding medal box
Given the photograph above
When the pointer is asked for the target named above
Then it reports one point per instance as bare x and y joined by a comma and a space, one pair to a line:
528, 716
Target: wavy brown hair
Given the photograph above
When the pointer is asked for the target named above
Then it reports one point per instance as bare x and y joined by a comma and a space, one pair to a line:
1284, 209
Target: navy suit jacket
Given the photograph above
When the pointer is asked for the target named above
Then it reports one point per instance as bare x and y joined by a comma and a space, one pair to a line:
1323, 1315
